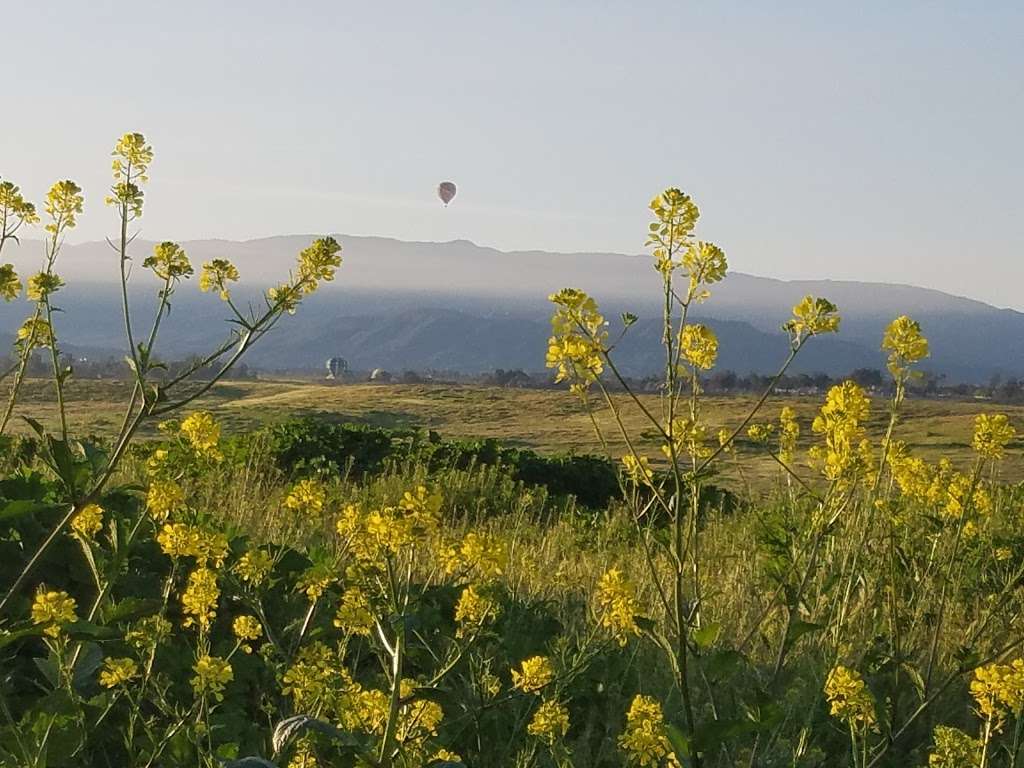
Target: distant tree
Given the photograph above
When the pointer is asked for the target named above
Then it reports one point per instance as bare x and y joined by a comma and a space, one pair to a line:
869, 378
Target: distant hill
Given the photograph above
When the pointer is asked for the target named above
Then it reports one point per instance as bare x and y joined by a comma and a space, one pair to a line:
463, 307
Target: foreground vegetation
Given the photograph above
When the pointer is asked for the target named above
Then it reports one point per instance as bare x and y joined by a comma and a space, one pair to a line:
310, 594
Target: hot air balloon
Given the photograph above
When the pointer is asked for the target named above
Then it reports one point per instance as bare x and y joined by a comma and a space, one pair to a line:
446, 191
336, 367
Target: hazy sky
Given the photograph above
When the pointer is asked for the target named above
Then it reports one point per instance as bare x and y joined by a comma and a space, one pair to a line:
876, 141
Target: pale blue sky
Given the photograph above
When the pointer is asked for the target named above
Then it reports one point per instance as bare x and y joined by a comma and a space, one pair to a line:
876, 141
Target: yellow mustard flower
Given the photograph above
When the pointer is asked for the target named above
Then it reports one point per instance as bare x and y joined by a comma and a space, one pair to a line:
550, 722
534, 674
117, 672
54, 609
618, 606
849, 697
212, 674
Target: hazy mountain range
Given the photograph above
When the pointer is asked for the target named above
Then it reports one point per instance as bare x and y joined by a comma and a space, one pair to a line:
458, 306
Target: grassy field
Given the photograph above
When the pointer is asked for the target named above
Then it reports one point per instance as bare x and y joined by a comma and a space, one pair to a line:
545, 420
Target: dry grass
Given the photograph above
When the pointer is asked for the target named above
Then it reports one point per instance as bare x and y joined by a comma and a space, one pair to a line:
546, 420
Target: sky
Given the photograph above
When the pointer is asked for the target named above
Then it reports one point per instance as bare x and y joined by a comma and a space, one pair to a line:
871, 141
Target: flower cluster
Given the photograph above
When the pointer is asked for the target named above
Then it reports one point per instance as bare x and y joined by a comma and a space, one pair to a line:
42, 284
953, 749
645, 741
577, 345
132, 156
199, 601
638, 470
688, 437
550, 722
698, 345
849, 697
117, 672
169, 262
905, 344
992, 433
840, 423
10, 283
212, 674
253, 567
216, 275
306, 497
812, 317
247, 630
998, 689
63, 204
53, 609
202, 432
476, 607
88, 522
618, 606
534, 674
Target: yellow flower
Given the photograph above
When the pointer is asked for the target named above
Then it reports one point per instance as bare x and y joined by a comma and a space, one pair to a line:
303, 757
851, 701
789, 433
117, 672
63, 204
419, 718
699, 346
216, 275
212, 674
812, 316
355, 613
576, 346
10, 284
306, 497
637, 470
148, 632
905, 343
199, 601
14, 206
285, 298
473, 610
998, 689
550, 722
477, 552
254, 566
88, 522
992, 433
704, 263
845, 450
247, 629
163, 498
954, 749
319, 262
534, 674
35, 332
318, 679
760, 433
688, 437
169, 262
202, 432
644, 741
42, 284
53, 608
618, 606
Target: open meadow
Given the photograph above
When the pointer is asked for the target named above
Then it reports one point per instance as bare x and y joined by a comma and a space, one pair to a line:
548, 420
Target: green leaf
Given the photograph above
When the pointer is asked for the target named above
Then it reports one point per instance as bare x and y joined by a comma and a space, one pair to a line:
800, 628
14, 510
723, 663
680, 744
706, 636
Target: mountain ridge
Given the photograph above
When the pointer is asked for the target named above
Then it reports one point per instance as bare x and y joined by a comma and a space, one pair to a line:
385, 282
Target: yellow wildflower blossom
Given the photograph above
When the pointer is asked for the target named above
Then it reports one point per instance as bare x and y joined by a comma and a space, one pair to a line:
550, 722
55, 609
212, 674
534, 674
849, 698
618, 606
117, 672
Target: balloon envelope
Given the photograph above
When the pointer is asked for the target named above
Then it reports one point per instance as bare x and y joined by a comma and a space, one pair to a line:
446, 191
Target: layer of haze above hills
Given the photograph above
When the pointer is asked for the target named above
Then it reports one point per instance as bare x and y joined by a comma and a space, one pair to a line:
462, 307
